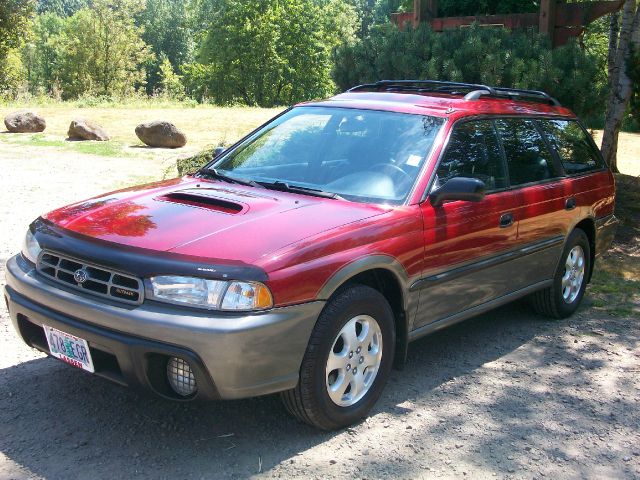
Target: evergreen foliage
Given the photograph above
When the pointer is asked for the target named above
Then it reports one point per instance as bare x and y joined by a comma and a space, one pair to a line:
476, 55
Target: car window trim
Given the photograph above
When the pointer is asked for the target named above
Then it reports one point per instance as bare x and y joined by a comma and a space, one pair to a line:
445, 148
546, 143
493, 118
555, 155
590, 141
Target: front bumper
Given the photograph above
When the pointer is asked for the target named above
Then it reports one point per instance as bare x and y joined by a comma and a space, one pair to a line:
232, 355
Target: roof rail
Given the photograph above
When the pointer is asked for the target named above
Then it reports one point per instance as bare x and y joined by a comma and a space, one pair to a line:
471, 91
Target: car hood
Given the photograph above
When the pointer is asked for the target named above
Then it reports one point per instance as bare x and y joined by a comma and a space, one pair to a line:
208, 219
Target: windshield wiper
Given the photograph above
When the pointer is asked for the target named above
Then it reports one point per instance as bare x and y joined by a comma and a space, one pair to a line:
216, 174
286, 187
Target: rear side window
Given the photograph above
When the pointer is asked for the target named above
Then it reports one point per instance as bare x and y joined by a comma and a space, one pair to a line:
528, 158
473, 151
573, 146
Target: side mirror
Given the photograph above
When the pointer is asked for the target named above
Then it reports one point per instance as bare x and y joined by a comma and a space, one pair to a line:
458, 188
218, 151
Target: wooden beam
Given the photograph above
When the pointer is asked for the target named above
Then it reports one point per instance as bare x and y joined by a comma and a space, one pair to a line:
547, 18
512, 21
582, 14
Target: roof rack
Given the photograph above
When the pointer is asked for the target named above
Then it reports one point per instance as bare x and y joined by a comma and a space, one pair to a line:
471, 91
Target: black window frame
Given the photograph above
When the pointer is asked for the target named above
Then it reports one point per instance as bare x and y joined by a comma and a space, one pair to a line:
557, 164
590, 141
534, 119
445, 149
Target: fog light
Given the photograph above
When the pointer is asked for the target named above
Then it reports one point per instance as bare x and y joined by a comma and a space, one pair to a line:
181, 377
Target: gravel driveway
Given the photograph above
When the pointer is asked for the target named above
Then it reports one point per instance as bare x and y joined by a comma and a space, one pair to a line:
507, 395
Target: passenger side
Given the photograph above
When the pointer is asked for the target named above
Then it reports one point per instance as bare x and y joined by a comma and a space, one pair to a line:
464, 241
544, 195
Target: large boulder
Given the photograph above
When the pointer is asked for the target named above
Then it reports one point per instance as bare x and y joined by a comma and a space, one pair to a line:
24, 122
161, 134
81, 129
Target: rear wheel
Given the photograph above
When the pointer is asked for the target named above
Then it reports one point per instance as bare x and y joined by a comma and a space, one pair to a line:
570, 279
347, 362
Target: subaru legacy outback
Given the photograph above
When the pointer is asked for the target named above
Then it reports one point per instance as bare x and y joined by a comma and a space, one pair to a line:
306, 257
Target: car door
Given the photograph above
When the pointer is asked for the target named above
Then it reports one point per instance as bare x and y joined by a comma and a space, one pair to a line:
545, 197
466, 242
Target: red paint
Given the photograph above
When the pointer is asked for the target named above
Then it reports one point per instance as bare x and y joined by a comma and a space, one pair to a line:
302, 241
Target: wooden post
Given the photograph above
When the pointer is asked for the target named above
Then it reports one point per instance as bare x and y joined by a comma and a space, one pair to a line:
547, 20
424, 10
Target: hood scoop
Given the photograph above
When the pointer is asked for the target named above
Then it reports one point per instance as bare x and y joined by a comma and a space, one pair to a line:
202, 198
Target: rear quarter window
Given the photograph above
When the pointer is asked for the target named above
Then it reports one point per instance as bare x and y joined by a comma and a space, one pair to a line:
573, 145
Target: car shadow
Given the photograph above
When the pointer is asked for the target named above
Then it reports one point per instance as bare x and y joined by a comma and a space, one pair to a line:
61, 422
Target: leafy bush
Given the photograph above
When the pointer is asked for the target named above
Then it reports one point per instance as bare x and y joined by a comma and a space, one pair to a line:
517, 59
193, 164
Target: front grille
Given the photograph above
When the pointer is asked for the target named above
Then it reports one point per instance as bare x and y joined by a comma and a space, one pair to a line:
90, 278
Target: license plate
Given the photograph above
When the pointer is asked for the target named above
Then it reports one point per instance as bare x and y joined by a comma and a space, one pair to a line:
68, 348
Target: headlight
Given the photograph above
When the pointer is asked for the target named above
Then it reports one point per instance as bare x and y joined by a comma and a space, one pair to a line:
212, 294
30, 247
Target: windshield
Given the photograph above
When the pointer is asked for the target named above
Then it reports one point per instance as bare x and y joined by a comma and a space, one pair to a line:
361, 155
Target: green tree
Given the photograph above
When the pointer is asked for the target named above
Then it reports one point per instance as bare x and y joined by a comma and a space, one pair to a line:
271, 52
170, 82
62, 8
43, 53
103, 50
15, 16
168, 30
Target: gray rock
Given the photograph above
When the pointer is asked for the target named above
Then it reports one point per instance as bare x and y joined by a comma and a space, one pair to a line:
24, 122
161, 134
81, 129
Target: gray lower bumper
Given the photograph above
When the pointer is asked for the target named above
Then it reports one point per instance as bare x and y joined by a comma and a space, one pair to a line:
245, 355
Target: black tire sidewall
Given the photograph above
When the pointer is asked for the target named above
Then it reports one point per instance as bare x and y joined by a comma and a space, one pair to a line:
359, 300
577, 238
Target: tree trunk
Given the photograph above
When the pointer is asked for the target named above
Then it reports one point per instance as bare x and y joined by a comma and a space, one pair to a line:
619, 82
614, 30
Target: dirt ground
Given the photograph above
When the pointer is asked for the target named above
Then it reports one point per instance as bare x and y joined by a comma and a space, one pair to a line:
507, 394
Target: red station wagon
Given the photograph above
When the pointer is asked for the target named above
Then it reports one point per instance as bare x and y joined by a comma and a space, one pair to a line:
306, 257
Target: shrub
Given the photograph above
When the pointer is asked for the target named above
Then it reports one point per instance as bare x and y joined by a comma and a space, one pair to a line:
196, 162
492, 56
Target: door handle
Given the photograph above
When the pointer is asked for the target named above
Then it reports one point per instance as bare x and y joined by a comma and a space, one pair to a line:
570, 204
506, 220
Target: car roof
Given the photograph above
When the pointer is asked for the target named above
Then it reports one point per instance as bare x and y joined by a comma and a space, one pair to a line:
441, 104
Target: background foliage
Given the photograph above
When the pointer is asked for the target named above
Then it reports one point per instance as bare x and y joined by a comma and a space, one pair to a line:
477, 55
278, 52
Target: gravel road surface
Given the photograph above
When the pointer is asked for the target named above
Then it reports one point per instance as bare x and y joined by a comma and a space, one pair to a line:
507, 394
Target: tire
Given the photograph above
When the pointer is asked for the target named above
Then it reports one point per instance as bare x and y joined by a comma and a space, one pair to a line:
563, 297
333, 399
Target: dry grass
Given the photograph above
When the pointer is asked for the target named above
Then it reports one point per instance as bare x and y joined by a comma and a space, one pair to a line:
203, 125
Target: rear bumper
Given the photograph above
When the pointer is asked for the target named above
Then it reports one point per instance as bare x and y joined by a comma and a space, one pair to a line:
605, 232
232, 355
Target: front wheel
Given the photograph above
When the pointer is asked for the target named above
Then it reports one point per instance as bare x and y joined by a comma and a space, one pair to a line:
347, 362
570, 279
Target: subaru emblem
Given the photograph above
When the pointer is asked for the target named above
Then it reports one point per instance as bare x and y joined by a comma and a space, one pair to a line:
80, 275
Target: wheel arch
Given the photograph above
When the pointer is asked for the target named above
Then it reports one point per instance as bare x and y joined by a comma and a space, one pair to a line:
588, 226
386, 275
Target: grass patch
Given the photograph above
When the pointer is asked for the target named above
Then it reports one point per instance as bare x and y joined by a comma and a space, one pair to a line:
615, 286
103, 149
